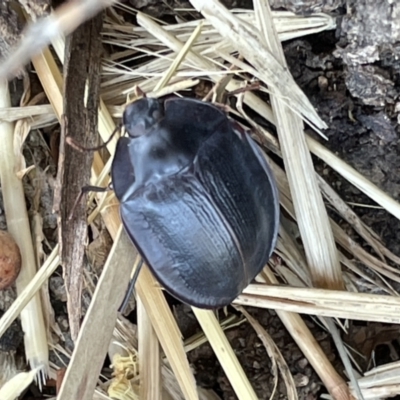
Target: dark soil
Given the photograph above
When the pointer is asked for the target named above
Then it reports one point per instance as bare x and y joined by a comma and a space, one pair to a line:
352, 76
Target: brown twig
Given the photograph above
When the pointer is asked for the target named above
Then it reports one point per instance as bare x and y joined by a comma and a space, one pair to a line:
81, 102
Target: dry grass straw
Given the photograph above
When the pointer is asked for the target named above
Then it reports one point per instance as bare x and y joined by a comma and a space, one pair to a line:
267, 67
32, 318
91, 346
149, 356
224, 352
381, 382
379, 267
354, 177
64, 20
288, 25
327, 303
167, 330
11, 114
316, 233
17, 384
30, 290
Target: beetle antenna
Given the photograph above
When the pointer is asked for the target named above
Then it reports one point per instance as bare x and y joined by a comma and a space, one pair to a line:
84, 190
82, 149
131, 289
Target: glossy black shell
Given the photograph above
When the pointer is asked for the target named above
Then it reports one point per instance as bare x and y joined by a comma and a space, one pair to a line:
197, 199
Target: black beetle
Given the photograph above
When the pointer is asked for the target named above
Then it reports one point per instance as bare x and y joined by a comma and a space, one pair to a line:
196, 197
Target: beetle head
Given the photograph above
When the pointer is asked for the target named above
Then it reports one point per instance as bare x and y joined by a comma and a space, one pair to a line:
141, 115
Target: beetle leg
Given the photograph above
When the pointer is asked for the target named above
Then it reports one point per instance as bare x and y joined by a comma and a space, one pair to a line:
79, 147
131, 289
84, 190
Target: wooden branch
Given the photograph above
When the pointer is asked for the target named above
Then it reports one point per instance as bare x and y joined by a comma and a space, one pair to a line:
81, 102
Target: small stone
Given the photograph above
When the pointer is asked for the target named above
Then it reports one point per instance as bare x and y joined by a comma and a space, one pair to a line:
256, 365
10, 260
323, 82
301, 380
302, 363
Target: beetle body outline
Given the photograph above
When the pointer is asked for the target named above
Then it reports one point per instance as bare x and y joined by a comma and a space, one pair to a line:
197, 198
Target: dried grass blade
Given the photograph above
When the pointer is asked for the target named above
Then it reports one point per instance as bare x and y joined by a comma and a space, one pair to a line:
149, 356
198, 339
51, 80
91, 346
167, 331
341, 237
30, 290
225, 354
201, 62
343, 354
349, 173
64, 20
16, 385
381, 382
246, 40
312, 218
365, 257
336, 163
292, 255
351, 217
11, 114
354, 177
328, 303
32, 318
179, 58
